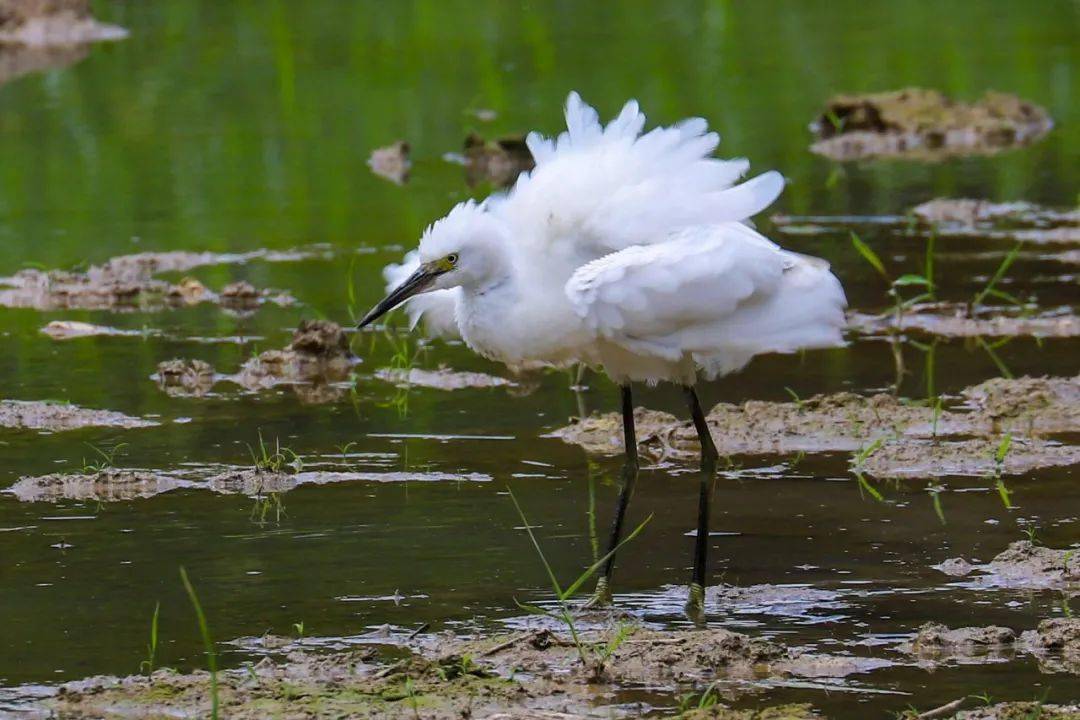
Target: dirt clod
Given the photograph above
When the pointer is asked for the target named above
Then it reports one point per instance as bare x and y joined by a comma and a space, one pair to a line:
934, 638
185, 377
924, 124
497, 161
391, 162
55, 416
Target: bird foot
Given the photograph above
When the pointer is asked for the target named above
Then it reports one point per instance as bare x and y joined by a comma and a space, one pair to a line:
601, 597
695, 604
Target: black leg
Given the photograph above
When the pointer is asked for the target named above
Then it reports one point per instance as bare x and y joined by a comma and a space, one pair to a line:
602, 596
695, 605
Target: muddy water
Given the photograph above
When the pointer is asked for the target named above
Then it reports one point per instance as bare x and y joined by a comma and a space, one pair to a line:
236, 129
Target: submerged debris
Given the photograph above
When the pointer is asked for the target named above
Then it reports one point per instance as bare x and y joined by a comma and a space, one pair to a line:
924, 124
44, 23
957, 320
391, 162
497, 161
1022, 565
441, 379
57, 416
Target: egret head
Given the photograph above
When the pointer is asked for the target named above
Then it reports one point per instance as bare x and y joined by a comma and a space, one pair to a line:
463, 249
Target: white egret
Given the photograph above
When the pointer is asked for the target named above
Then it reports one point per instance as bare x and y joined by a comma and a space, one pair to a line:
628, 252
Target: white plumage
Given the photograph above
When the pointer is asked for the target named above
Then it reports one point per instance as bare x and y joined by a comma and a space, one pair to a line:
628, 251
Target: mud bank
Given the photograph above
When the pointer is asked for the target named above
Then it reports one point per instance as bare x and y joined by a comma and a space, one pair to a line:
846, 422
128, 283
116, 484
441, 378
45, 23
958, 320
1022, 565
535, 674
315, 364
56, 416
924, 124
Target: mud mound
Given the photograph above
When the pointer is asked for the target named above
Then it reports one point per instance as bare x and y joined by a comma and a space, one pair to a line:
317, 357
498, 161
106, 288
1055, 644
391, 162
42, 23
934, 639
797, 711
924, 124
1028, 405
105, 486
55, 416
1022, 565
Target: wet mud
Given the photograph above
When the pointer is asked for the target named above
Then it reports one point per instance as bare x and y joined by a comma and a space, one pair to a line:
959, 320
129, 282
58, 416
921, 124
391, 162
71, 329
912, 440
525, 675
1022, 565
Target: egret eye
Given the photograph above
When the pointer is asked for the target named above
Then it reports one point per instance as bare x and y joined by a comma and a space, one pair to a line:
452, 258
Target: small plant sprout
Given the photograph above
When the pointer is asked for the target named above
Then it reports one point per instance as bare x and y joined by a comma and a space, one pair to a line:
208, 643
299, 628
105, 460
692, 701
274, 459
799, 402
147, 665
593, 658
864, 453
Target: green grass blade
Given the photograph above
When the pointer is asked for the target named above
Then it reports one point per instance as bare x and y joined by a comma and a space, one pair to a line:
528, 528
869, 255
208, 643
576, 585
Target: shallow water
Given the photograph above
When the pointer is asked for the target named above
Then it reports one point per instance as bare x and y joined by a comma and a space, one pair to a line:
237, 127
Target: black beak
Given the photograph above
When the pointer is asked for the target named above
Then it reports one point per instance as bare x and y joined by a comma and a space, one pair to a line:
415, 284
